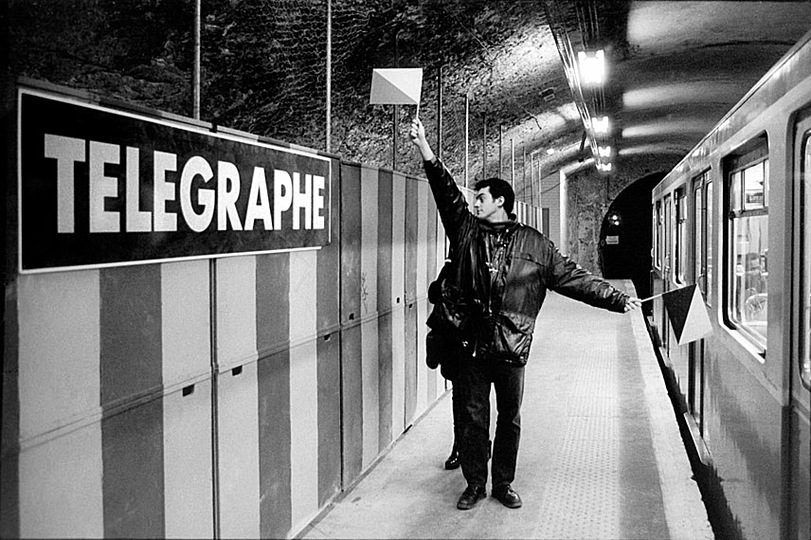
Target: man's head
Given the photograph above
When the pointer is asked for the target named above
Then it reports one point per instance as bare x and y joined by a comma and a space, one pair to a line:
494, 200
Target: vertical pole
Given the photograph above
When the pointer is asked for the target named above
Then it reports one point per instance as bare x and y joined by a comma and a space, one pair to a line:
196, 73
329, 77
500, 148
512, 162
484, 146
524, 165
439, 114
531, 178
394, 139
540, 185
467, 134
215, 405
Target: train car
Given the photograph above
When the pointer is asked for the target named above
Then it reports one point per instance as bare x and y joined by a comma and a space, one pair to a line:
734, 217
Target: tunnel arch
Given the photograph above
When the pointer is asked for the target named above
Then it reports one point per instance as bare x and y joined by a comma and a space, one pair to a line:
624, 250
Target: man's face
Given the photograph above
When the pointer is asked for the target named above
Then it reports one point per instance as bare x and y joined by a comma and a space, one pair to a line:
485, 207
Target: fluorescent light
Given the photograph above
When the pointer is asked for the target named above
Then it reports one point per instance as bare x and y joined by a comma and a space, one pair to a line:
592, 67
600, 125
605, 167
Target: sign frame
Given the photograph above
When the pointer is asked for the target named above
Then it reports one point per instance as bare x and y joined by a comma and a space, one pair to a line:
187, 130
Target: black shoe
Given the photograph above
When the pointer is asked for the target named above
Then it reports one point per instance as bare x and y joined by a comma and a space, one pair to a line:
507, 496
453, 460
470, 497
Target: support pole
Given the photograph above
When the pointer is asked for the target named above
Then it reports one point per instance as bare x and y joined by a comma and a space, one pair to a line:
196, 72
467, 134
512, 162
484, 146
439, 114
394, 138
329, 77
500, 149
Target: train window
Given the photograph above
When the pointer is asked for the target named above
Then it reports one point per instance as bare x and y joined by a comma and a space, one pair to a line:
805, 256
702, 231
681, 236
748, 242
667, 228
657, 237
699, 234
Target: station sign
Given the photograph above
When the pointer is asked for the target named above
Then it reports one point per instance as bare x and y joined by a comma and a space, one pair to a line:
100, 187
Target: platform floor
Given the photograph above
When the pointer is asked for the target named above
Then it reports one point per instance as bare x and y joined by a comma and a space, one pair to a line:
600, 456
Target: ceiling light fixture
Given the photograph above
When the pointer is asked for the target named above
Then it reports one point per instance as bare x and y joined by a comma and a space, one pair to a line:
605, 167
600, 125
592, 67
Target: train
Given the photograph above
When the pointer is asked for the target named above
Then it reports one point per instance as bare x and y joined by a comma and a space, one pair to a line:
734, 218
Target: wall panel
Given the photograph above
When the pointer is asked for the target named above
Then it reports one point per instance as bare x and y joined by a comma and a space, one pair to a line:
275, 512
188, 485
59, 350
238, 451
303, 388
61, 486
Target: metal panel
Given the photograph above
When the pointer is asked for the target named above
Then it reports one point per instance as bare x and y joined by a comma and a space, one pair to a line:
384, 305
188, 487
351, 294
60, 486
370, 245
186, 328
273, 383
238, 452
425, 253
236, 311
329, 417
58, 350
303, 389
410, 271
369, 334
398, 260
131, 344
133, 484
354, 403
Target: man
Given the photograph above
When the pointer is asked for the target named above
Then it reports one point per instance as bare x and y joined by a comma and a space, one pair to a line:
501, 272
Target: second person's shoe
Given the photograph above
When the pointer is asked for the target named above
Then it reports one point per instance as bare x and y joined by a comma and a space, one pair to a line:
453, 460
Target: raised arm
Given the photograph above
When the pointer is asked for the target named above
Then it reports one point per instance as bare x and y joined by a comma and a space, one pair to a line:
451, 204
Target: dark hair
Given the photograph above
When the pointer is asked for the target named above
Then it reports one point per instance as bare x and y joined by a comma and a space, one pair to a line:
498, 188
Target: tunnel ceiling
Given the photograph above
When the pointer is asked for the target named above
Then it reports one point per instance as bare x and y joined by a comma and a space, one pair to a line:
673, 68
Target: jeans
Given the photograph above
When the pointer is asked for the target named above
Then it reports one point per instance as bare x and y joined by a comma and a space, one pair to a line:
473, 388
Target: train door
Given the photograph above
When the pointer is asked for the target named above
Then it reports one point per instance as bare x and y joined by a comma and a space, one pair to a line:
680, 357
699, 258
666, 268
800, 445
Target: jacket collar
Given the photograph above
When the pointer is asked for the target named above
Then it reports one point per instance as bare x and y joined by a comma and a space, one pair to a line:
498, 227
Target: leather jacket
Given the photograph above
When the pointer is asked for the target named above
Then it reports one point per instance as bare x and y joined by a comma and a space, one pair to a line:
524, 263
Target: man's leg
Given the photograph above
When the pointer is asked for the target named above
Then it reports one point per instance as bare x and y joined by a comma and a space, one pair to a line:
474, 391
509, 384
